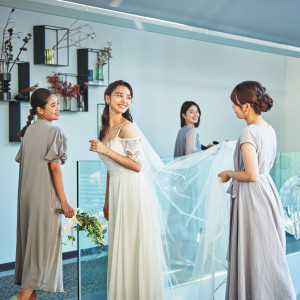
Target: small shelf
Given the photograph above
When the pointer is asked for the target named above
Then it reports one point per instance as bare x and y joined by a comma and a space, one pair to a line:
14, 122
23, 78
45, 37
66, 75
95, 83
83, 70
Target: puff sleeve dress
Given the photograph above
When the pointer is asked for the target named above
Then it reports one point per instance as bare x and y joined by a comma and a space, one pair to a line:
38, 252
257, 267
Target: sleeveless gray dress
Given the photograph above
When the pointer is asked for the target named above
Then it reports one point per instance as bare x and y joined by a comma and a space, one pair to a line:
257, 267
38, 251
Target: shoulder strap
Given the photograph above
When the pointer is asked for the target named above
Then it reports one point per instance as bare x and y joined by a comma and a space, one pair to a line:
121, 128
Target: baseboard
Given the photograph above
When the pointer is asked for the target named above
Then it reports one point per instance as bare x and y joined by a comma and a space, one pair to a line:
66, 255
11, 265
7, 266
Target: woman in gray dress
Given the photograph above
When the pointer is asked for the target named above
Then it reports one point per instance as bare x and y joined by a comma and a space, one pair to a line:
257, 267
43, 149
187, 141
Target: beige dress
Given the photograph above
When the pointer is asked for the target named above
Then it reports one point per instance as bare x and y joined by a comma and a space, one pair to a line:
38, 251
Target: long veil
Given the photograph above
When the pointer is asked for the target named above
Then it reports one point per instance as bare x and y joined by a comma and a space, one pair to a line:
193, 219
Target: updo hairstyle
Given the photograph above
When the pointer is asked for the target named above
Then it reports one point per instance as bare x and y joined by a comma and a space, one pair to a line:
254, 93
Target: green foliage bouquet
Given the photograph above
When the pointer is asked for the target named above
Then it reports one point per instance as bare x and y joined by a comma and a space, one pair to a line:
88, 222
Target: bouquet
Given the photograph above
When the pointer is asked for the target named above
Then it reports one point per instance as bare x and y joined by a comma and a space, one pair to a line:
86, 222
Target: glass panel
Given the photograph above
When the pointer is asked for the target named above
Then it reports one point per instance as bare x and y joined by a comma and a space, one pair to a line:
287, 165
91, 196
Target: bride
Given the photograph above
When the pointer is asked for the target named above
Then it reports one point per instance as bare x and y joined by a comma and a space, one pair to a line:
142, 194
134, 270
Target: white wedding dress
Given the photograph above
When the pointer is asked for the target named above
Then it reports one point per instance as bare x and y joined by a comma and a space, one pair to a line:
150, 215
134, 268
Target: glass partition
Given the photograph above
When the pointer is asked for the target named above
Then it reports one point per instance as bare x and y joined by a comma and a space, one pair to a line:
91, 194
286, 166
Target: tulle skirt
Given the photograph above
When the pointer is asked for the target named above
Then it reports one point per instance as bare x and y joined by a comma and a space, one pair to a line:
134, 270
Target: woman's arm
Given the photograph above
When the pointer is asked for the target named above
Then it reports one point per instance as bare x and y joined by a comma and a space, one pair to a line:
57, 178
250, 163
190, 142
106, 204
128, 131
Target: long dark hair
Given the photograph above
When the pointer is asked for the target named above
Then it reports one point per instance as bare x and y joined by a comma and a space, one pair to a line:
39, 98
184, 108
105, 114
254, 93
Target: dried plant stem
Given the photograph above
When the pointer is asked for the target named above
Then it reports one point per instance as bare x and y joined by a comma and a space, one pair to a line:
4, 30
74, 32
17, 58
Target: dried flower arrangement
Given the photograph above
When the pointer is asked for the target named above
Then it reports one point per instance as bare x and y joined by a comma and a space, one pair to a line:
8, 39
104, 55
69, 90
55, 83
23, 94
62, 87
85, 85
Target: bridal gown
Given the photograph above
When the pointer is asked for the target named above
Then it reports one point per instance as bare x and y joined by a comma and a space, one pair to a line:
134, 271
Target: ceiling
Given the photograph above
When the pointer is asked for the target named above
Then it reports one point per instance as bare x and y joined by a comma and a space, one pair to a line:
271, 26
269, 20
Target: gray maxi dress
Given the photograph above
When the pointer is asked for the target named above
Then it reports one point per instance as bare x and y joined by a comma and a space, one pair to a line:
38, 251
257, 267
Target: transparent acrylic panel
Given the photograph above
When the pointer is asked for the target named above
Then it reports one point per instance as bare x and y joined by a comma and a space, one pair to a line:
91, 197
286, 166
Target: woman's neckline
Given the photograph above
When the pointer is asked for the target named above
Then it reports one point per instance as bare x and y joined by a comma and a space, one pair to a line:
260, 126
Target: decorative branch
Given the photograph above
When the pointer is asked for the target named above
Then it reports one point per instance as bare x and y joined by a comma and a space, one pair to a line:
104, 55
25, 40
8, 22
76, 36
8, 38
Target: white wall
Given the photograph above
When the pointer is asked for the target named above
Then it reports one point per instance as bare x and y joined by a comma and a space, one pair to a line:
164, 71
293, 104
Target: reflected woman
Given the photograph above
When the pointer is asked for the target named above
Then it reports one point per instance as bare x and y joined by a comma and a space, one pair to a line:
42, 152
257, 267
187, 141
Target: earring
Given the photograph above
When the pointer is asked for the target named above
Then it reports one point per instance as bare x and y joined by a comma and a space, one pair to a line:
246, 113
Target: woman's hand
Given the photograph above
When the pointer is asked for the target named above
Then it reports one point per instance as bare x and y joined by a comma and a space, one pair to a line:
68, 210
224, 176
105, 210
98, 147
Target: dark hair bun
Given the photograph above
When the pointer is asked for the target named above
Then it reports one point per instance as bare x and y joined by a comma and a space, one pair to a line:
263, 101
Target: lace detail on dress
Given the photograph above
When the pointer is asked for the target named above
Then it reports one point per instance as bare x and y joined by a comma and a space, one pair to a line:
132, 148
